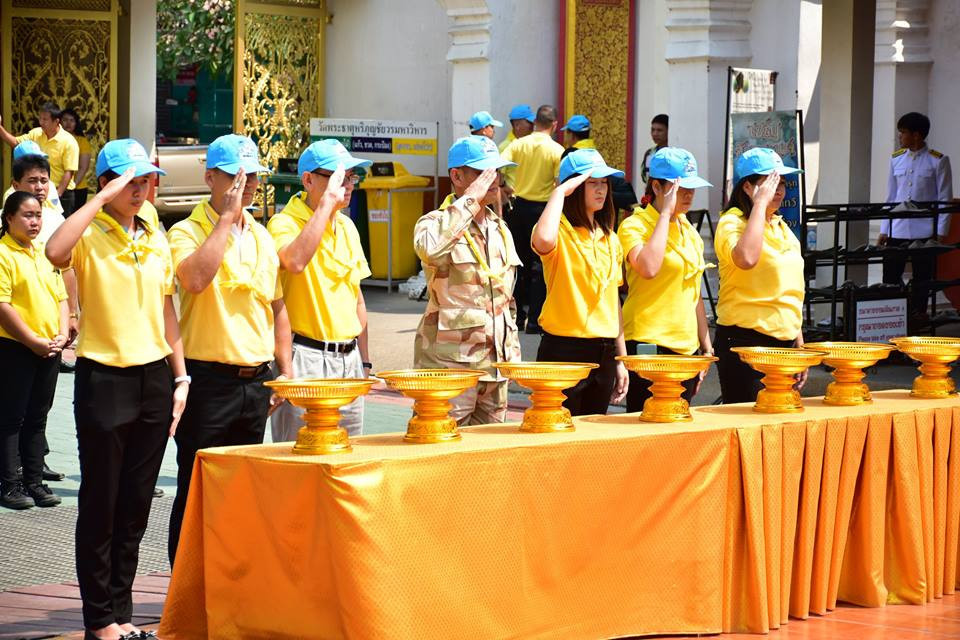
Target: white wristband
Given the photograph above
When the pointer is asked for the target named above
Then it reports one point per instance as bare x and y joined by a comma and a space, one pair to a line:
180, 379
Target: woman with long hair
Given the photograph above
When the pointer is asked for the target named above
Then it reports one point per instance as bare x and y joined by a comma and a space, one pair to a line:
70, 120
761, 273
582, 259
665, 265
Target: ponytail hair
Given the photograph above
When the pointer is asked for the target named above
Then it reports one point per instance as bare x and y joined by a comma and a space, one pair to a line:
10, 208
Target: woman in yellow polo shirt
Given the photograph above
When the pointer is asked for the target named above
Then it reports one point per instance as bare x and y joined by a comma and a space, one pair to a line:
664, 263
70, 120
33, 330
582, 259
761, 273
130, 384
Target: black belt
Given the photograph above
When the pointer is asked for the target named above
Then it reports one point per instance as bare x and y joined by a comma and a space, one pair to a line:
320, 345
233, 370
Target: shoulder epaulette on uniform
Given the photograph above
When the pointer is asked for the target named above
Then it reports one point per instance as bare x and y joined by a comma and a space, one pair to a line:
899, 152
936, 154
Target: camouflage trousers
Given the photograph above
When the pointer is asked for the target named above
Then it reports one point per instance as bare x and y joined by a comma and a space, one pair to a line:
485, 403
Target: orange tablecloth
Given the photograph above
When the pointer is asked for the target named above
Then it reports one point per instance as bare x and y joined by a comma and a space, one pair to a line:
732, 522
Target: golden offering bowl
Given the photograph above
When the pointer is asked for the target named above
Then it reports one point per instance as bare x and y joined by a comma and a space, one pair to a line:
666, 373
546, 381
848, 360
431, 390
934, 355
780, 367
321, 398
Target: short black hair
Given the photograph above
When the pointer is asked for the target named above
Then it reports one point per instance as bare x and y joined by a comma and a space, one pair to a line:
661, 118
25, 163
916, 122
109, 174
581, 135
546, 115
51, 108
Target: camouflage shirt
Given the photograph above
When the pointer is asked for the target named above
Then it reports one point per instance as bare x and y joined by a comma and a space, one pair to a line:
470, 319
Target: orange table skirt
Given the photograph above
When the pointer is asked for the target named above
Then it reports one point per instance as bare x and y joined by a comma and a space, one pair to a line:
733, 522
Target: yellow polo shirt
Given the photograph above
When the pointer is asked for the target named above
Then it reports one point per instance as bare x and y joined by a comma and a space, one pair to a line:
663, 309
769, 297
122, 283
538, 158
32, 286
231, 321
83, 146
322, 299
507, 172
62, 150
582, 273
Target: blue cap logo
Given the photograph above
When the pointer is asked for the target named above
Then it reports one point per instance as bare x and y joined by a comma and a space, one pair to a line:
233, 152
120, 155
476, 152
28, 148
482, 119
326, 155
577, 123
674, 163
760, 161
586, 161
522, 112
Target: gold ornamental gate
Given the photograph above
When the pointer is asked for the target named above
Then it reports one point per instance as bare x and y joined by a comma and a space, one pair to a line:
278, 82
64, 51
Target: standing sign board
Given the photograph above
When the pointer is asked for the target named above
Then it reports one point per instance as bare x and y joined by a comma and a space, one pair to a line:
780, 131
412, 144
880, 320
748, 91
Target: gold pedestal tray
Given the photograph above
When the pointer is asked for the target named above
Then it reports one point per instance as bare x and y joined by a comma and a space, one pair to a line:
321, 398
934, 355
546, 381
849, 359
431, 390
666, 373
780, 367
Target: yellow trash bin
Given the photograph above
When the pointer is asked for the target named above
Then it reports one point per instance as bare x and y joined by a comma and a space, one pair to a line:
393, 213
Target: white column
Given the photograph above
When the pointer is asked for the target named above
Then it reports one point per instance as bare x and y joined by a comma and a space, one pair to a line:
704, 38
470, 57
901, 78
143, 73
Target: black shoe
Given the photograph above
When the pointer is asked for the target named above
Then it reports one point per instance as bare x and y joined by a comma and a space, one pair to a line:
51, 475
67, 367
42, 495
14, 497
157, 492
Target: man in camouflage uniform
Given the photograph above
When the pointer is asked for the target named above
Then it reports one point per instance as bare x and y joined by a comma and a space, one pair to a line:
470, 262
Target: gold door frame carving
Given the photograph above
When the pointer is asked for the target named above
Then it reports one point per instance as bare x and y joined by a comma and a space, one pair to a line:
67, 43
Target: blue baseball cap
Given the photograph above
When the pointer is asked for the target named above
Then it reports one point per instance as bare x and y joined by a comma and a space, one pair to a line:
326, 155
482, 119
576, 123
120, 155
233, 152
586, 161
674, 163
760, 161
28, 148
476, 152
522, 112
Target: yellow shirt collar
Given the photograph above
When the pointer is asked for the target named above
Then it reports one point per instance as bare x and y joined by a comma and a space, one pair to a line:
8, 240
205, 216
586, 143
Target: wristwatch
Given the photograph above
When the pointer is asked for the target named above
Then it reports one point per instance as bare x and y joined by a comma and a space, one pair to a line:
368, 365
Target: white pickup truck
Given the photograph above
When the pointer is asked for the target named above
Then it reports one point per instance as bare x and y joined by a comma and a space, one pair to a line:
183, 187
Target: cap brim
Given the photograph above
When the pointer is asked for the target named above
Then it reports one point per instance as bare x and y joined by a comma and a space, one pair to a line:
693, 182
248, 167
496, 123
140, 168
356, 162
490, 163
606, 172
783, 171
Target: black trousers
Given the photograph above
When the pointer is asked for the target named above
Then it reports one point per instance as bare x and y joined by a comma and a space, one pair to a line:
739, 382
531, 290
224, 409
592, 394
639, 389
123, 417
67, 201
79, 197
923, 264
27, 386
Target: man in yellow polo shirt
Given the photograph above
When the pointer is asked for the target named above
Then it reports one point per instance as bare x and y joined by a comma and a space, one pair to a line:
538, 156
61, 148
322, 264
577, 133
232, 317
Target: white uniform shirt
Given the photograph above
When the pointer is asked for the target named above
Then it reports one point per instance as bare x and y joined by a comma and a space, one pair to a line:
921, 176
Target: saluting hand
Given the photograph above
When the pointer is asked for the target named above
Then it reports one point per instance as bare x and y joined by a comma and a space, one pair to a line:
115, 186
179, 404
764, 192
479, 187
567, 188
670, 198
233, 199
335, 194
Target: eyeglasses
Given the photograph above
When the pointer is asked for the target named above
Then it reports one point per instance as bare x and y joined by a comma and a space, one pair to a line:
350, 178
